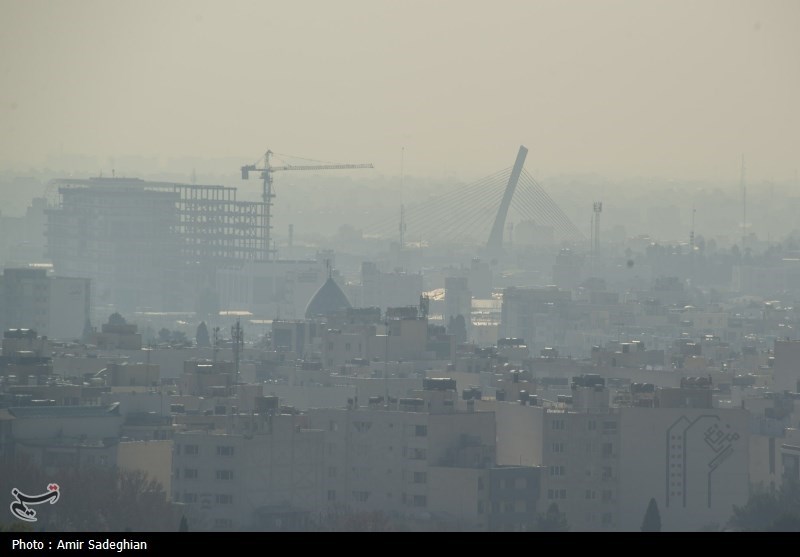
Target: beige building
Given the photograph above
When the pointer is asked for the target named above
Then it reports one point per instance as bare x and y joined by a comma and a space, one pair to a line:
693, 461
117, 334
262, 471
786, 370
405, 459
56, 437
601, 465
152, 457
403, 338
133, 375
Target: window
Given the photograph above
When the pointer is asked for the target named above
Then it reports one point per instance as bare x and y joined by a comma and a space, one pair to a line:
607, 473
421, 430
557, 424
558, 447
420, 501
607, 519
420, 477
191, 450
190, 473
224, 450
480, 484
607, 495
333, 426
591, 494
608, 450
224, 474
556, 493
361, 496
417, 454
558, 471
223, 523
224, 499
609, 426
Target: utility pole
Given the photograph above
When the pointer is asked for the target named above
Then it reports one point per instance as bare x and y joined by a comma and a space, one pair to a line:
215, 349
386, 366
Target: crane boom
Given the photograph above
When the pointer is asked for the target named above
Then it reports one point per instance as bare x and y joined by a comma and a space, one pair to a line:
267, 195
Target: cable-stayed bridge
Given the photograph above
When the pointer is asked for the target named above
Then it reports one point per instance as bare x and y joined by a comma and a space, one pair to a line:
477, 213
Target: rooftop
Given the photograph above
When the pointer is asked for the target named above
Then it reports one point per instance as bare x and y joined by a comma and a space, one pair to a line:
65, 411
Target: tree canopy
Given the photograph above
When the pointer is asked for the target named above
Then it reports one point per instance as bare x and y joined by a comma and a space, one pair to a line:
769, 511
552, 521
652, 517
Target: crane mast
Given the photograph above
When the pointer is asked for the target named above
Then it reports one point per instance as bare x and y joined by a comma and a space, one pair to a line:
267, 194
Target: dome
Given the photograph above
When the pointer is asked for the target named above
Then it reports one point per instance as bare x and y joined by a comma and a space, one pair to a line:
328, 299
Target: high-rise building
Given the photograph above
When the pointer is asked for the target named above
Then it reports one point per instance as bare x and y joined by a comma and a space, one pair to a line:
57, 307
150, 244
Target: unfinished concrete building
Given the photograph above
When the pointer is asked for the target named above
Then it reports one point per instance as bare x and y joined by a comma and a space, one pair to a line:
147, 244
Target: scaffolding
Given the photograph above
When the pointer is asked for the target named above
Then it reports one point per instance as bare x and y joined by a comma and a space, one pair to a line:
148, 241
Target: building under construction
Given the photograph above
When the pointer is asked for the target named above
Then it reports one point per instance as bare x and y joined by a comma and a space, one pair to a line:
147, 244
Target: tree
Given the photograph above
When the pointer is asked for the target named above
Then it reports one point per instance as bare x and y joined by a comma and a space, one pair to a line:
201, 336
93, 499
652, 518
769, 511
552, 521
178, 337
116, 320
344, 520
164, 335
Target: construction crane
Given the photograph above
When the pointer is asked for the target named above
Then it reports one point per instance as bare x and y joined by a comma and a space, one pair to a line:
267, 195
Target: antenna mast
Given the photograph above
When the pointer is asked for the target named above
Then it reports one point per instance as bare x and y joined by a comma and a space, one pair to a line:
597, 208
744, 206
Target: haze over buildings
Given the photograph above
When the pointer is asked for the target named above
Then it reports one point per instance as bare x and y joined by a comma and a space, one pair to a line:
531, 267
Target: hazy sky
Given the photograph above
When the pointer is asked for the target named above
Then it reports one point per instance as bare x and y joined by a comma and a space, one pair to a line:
667, 88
